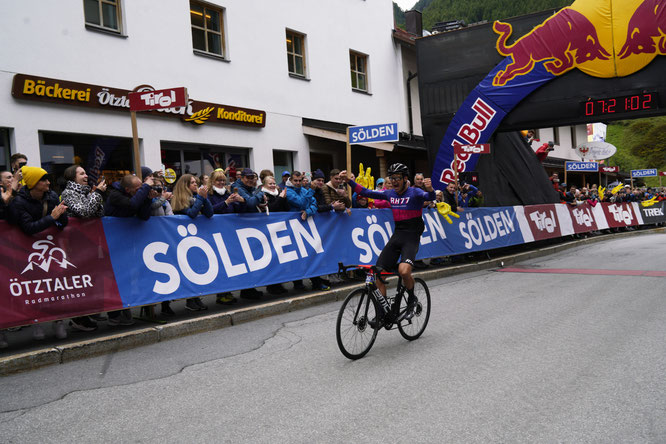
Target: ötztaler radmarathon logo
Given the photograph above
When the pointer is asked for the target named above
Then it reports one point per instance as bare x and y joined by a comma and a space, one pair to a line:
48, 276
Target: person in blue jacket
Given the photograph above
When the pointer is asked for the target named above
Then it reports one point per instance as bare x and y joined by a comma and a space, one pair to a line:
246, 187
191, 199
300, 198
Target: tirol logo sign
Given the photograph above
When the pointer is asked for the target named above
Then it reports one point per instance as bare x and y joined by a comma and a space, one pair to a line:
543, 221
620, 215
480, 148
607, 169
42, 89
166, 98
582, 218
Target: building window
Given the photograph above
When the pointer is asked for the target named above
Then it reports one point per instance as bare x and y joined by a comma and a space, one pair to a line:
359, 71
282, 161
101, 156
200, 160
207, 29
4, 149
556, 135
103, 14
296, 53
574, 138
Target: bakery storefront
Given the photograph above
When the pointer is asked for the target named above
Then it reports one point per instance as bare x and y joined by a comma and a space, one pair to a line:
112, 156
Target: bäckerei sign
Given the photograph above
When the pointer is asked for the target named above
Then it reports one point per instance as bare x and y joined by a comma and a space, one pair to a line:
27, 87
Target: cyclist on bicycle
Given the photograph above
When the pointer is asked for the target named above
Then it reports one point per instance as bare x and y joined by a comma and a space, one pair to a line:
407, 206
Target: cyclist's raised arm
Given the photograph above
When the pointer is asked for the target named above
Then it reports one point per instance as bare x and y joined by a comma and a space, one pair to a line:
358, 189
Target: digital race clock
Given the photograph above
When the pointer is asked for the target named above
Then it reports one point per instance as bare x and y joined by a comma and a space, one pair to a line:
620, 105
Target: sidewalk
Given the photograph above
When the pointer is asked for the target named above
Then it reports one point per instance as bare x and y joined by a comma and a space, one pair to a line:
25, 353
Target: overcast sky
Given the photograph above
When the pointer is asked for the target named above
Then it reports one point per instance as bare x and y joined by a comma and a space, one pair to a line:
405, 5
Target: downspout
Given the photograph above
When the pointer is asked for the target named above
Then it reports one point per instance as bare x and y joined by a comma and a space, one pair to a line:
410, 77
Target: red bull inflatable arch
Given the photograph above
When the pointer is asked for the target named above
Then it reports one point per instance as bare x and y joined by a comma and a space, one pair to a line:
601, 48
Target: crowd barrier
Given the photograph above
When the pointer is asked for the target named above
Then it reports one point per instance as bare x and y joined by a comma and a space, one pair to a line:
113, 263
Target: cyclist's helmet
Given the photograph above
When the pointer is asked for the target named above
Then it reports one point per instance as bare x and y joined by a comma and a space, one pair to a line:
398, 168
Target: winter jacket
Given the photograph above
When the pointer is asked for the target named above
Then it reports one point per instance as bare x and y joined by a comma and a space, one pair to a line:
28, 213
198, 205
219, 202
160, 207
121, 204
301, 199
276, 203
322, 206
252, 196
81, 202
331, 195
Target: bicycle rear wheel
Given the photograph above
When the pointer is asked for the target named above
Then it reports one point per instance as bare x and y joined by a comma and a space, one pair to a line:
354, 334
413, 328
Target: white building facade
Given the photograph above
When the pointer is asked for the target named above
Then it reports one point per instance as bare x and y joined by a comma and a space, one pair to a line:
267, 82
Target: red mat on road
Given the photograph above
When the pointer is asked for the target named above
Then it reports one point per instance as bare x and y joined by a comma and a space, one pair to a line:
589, 271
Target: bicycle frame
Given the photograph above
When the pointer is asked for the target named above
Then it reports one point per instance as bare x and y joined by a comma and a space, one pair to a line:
393, 303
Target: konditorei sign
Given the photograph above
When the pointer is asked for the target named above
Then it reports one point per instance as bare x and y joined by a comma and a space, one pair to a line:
28, 87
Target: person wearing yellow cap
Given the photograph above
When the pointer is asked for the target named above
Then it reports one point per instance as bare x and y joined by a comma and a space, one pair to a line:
35, 208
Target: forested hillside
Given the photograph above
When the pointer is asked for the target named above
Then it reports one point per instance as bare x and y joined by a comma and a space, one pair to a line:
471, 11
640, 143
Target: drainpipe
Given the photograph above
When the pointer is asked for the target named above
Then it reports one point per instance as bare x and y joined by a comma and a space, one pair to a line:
410, 77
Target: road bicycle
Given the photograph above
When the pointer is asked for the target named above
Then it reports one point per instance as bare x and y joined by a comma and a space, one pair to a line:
365, 311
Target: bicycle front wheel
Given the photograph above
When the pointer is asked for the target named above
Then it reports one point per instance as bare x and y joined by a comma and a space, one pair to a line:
413, 328
354, 334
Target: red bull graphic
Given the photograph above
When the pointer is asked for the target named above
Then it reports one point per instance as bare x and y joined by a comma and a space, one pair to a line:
647, 30
564, 41
601, 38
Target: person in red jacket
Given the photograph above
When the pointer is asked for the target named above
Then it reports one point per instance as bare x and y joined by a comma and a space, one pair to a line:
543, 150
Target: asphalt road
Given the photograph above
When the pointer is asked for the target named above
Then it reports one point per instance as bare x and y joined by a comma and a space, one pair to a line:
507, 357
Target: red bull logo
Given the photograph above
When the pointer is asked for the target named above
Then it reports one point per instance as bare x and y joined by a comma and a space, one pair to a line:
647, 30
600, 37
565, 40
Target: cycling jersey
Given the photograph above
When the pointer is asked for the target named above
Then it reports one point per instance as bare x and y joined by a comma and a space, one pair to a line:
407, 207
407, 214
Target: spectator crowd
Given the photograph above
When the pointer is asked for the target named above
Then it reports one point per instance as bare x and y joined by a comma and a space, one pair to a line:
30, 202
614, 193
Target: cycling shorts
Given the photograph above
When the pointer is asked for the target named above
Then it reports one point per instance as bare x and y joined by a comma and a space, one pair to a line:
403, 245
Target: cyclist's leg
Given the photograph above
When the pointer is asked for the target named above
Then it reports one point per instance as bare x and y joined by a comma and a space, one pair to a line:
387, 260
409, 249
405, 272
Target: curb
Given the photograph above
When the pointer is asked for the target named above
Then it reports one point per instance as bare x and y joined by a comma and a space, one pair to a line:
146, 336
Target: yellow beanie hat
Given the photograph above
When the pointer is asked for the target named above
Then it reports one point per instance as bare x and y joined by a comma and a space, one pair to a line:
32, 175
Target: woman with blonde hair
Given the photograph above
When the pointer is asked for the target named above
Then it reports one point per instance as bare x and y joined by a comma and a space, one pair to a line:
218, 193
191, 199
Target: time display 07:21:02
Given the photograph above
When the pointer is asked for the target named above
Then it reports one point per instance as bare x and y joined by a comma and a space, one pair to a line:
620, 105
